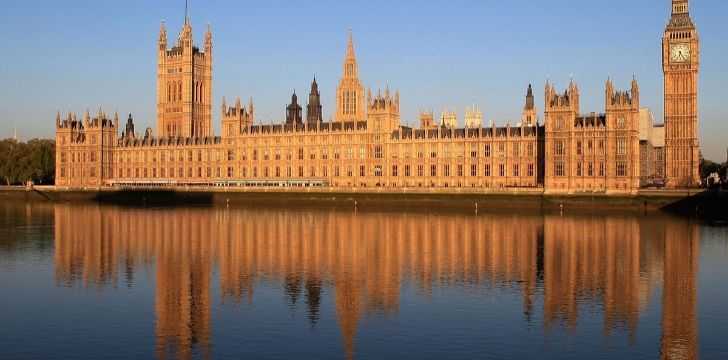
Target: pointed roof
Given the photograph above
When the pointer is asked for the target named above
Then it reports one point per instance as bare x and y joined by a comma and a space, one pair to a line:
529, 98
350, 47
163, 33
680, 18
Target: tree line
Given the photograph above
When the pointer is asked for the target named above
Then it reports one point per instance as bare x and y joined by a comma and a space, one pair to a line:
34, 160
708, 167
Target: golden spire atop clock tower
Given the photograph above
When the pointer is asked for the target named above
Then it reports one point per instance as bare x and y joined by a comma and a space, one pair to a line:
680, 62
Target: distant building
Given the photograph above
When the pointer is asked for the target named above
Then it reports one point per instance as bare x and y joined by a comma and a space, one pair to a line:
449, 120
652, 150
473, 117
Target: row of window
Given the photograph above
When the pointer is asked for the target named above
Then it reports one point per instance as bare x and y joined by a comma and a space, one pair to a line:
589, 169
276, 154
560, 147
313, 171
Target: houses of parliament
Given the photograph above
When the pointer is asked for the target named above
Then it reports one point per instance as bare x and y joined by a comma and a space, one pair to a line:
365, 145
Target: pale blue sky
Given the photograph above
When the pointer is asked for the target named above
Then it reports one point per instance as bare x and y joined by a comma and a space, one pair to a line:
70, 55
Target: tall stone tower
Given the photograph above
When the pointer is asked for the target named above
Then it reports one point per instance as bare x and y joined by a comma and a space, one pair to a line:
313, 109
184, 85
560, 112
530, 116
350, 92
680, 61
622, 140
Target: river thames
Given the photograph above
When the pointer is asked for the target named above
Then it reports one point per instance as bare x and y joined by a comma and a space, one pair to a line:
84, 280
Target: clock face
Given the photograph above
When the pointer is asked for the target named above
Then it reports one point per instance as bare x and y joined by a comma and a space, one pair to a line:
680, 53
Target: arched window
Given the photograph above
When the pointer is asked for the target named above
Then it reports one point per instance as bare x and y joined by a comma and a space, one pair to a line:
169, 91
174, 91
202, 93
179, 93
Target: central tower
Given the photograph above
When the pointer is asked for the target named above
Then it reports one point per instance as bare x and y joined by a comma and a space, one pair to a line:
680, 61
184, 85
350, 92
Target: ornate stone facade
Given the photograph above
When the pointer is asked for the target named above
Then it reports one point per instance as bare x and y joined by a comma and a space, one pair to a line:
366, 146
680, 62
184, 86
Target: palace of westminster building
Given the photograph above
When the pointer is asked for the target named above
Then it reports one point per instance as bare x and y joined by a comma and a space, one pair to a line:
366, 145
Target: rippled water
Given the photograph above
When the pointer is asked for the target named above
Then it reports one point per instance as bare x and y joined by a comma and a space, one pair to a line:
93, 281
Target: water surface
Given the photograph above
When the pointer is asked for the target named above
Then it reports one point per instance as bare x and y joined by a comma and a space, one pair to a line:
93, 281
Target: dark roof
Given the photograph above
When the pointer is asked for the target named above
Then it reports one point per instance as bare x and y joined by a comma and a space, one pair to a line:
591, 120
169, 141
680, 21
324, 126
410, 133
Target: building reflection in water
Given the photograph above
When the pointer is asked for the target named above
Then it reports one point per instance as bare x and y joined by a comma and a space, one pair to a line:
612, 264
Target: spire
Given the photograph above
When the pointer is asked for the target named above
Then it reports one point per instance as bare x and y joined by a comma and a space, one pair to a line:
208, 36
529, 98
635, 88
187, 16
314, 85
163, 33
58, 118
350, 66
350, 46
186, 35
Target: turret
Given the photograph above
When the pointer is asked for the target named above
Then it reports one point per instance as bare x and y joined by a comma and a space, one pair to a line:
250, 110
129, 131
530, 116
313, 109
529, 99
635, 89
293, 111
162, 40
208, 40
609, 89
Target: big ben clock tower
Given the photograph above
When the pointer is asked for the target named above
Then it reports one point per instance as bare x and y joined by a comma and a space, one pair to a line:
680, 60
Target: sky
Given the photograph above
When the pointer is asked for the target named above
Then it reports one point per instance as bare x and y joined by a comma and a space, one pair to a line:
73, 55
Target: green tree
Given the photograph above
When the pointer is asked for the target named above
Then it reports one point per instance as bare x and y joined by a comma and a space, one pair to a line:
20, 162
